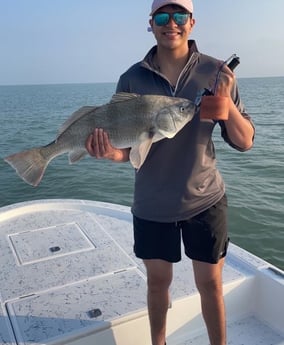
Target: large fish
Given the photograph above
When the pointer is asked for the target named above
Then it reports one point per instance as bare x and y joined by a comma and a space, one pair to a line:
131, 120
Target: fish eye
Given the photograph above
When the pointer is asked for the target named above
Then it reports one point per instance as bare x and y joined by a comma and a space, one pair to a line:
182, 109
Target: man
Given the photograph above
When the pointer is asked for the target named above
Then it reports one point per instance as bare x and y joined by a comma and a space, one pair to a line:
179, 193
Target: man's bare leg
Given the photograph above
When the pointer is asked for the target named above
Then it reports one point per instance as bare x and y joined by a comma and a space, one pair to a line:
159, 277
208, 278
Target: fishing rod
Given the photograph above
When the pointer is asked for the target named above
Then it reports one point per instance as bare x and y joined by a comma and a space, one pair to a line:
232, 62
216, 107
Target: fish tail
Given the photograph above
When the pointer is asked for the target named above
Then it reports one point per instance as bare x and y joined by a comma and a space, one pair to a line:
30, 165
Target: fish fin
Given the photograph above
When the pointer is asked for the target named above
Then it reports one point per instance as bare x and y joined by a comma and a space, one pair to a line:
138, 153
30, 165
75, 156
123, 96
158, 136
75, 117
166, 134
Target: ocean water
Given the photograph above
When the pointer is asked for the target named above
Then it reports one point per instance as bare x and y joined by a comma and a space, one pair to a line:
31, 115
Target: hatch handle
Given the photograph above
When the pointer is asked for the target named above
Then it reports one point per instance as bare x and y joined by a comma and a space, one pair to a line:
94, 313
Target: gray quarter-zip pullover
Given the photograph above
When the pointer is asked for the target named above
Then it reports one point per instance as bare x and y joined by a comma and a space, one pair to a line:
179, 178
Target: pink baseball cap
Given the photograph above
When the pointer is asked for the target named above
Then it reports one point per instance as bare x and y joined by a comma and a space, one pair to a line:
187, 4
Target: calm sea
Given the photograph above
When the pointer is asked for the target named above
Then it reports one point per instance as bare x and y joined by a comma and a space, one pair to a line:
31, 115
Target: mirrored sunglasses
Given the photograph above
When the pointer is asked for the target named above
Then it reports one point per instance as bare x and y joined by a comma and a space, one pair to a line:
163, 18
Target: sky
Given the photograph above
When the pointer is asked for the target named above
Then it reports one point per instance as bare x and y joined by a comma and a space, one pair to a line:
89, 41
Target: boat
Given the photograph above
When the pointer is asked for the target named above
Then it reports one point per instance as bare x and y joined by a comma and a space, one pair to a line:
69, 276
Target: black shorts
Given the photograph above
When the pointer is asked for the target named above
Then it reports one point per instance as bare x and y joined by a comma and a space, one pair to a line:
204, 236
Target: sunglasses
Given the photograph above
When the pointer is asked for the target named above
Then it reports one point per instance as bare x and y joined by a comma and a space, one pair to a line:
163, 18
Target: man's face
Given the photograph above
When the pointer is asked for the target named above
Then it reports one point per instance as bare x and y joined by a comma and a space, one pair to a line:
173, 33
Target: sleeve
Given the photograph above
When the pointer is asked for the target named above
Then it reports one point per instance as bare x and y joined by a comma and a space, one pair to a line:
240, 106
122, 85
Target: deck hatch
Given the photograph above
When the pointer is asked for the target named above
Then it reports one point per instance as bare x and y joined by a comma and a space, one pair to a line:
90, 304
47, 243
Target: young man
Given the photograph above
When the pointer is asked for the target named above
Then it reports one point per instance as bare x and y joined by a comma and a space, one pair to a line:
179, 193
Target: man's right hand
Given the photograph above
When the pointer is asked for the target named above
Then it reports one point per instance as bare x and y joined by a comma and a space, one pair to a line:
98, 145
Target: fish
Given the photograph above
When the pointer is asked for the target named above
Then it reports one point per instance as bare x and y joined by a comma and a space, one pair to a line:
131, 120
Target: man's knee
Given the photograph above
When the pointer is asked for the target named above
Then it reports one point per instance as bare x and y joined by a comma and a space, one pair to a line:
159, 274
210, 288
208, 277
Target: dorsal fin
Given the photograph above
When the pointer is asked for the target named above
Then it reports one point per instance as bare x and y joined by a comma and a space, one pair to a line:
75, 116
123, 96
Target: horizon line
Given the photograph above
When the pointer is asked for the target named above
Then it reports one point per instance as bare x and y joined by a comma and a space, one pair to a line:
107, 82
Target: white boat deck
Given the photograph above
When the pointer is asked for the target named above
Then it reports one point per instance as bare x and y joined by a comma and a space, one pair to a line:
69, 276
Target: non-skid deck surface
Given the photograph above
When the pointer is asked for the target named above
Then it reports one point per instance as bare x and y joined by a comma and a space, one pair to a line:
68, 265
